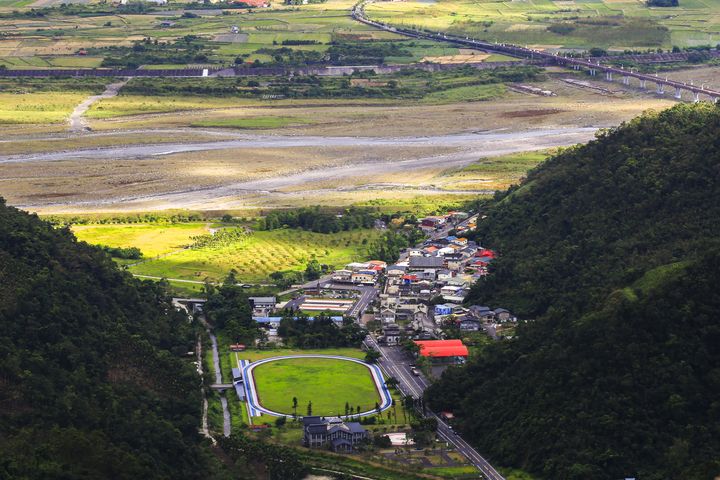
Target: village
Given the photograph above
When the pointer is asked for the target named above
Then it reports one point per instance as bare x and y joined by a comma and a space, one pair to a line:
420, 298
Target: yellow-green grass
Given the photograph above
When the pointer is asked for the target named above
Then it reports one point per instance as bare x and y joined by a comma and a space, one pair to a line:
610, 23
138, 104
261, 253
252, 123
328, 383
41, 107
151, 238
470, 93
494, 173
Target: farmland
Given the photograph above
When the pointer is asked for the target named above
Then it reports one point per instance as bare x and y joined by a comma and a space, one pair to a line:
327, 383
616, 25
54, 39
259, 254
151, 239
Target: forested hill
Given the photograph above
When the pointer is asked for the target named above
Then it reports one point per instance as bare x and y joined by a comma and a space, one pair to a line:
93, 383
596, 217
613, 248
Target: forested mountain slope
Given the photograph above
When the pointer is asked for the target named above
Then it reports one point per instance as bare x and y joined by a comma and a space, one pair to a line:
92, 380
613, 248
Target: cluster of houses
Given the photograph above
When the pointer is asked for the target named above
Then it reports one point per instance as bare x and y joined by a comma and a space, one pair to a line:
442, 269
436, 222
470, 319
425, 290
360, 273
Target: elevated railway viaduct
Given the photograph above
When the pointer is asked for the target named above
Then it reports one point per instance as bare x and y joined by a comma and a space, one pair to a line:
593, 67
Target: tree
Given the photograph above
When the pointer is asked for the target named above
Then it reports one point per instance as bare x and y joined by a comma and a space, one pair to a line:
372, 355
313, 270
382, 441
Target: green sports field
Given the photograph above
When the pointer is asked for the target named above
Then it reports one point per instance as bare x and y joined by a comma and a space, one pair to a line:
327, 383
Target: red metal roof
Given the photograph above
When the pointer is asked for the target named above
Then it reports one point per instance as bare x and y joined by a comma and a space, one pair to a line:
442, 348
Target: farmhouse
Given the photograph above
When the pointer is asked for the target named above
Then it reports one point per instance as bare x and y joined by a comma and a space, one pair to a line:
332, 432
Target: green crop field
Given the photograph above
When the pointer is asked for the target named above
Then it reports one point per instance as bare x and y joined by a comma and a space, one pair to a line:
327, 383
261, 253
251, 123
151, 238
617, 24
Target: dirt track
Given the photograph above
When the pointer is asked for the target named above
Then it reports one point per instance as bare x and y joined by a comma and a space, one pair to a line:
77, 117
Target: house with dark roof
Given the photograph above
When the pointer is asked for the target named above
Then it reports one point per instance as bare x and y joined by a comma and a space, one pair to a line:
421, 263
333, 433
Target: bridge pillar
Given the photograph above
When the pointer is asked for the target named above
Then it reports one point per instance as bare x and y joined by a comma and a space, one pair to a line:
592, 72
660, 89
696, 97
642, 84
678, 93
608, 76
626, 80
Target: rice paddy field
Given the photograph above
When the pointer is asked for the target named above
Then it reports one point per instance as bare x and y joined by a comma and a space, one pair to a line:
327, 383
254, 257
614, 24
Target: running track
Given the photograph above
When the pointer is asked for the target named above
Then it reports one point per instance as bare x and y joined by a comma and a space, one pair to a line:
254, 403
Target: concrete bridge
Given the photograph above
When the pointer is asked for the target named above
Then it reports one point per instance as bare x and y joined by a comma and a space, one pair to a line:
221, 387
594, 68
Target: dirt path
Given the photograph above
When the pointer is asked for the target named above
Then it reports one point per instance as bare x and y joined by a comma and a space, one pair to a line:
78, 122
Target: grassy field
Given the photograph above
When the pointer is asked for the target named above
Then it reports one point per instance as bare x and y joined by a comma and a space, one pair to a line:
152, 239
260, 254
495, 173
471, 93
327, 383
46, 107
617, 24
252, 123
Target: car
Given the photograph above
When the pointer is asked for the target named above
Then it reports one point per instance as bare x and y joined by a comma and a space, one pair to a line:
415, 371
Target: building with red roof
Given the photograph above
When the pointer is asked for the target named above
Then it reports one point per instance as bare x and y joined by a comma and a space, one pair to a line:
445, 351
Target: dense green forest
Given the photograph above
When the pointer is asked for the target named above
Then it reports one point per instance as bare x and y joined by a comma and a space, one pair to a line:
94, 376
614, 249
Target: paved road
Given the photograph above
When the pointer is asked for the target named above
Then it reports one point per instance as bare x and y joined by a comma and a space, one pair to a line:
395, 363
366, 297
